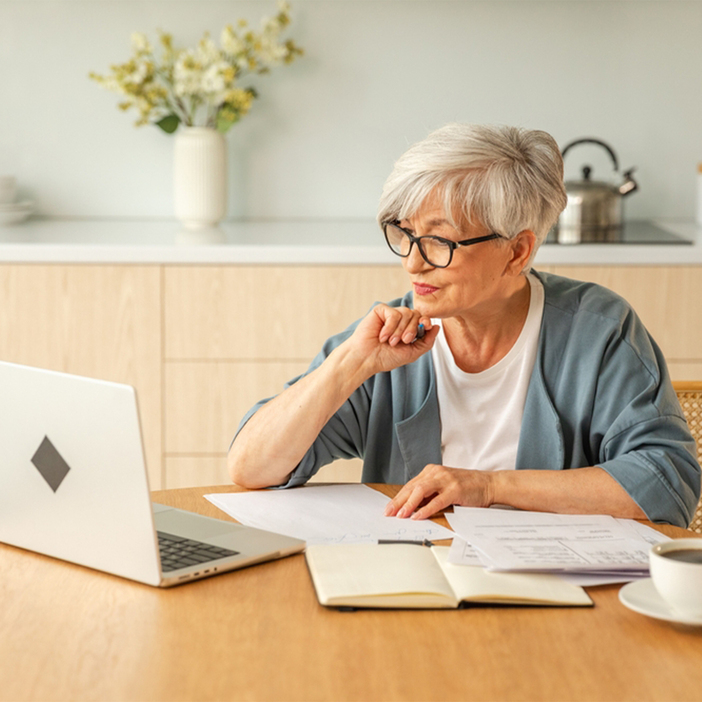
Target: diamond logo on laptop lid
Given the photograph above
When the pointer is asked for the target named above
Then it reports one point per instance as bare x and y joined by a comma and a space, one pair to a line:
50, 464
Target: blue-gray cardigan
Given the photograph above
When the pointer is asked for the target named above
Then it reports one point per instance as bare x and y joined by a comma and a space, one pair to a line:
599, 394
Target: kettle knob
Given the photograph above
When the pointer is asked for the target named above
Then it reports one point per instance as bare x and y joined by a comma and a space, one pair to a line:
586, 172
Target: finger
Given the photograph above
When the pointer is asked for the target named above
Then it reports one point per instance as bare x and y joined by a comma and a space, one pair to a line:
393, 507
395, 321
413, 501
391, 318
407, 489
439, 502
414, 329
406, 330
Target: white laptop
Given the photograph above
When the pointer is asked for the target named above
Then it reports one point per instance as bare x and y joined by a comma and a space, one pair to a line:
73, 485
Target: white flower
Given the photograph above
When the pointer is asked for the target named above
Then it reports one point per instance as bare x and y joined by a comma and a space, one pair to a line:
142, 70
230, 42
186, 74
271, 52
207, 51
140, 43
217, 78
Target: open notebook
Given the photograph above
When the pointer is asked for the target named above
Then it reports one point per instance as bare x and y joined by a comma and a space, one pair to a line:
404, 575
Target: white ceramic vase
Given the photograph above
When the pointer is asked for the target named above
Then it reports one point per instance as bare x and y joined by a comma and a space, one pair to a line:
200, 177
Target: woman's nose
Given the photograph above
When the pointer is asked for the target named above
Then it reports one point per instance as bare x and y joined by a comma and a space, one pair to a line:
414, 263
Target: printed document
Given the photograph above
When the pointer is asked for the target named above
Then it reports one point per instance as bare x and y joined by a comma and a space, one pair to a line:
326, 514
511, 540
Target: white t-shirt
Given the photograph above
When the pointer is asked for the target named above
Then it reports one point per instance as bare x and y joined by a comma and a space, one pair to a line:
481, 413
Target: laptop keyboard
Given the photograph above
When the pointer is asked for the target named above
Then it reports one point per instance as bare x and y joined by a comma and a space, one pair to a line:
178, 552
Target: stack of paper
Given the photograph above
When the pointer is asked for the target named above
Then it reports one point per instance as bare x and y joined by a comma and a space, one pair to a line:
326, 514
510, 540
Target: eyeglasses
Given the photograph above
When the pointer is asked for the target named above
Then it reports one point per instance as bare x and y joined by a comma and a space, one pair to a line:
435, 250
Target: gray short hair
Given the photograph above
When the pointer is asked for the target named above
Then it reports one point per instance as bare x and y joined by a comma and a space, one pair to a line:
508, 178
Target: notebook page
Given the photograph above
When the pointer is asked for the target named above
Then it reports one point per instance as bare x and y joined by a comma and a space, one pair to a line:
349, 572
473, 583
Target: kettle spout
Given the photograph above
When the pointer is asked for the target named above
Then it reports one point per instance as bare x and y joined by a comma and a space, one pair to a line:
629, 185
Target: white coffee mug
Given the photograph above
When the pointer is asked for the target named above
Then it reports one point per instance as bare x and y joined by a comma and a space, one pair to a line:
8, 189
676, 571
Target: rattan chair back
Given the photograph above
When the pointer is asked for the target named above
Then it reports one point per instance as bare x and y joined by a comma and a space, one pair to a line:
690, 396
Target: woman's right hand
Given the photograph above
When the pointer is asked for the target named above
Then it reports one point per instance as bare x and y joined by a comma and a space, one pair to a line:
387, 338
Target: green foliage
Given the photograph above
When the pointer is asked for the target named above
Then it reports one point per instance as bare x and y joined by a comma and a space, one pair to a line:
169, 123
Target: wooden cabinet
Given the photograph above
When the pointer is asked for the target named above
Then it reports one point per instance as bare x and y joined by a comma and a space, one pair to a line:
203, 343
236, 334
99, 321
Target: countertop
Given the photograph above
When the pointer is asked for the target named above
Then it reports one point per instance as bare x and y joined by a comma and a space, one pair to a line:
314, 242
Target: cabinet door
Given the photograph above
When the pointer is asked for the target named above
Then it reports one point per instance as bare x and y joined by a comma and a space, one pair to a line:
205, 401
268, 312
235, 334
97, 321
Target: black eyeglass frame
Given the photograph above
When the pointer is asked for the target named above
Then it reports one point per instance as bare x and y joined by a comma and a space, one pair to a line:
452, 245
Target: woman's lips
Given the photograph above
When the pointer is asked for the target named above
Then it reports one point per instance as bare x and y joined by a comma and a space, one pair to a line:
423, 289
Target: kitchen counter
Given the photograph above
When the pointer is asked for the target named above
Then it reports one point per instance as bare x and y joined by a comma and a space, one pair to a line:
352, 242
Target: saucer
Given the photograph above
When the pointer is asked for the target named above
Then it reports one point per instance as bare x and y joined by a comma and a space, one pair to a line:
642, 597
15, 212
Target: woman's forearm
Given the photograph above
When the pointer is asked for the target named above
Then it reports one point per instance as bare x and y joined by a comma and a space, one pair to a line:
578, 491
278, 435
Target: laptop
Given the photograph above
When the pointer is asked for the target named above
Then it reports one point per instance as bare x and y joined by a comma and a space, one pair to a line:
74, 486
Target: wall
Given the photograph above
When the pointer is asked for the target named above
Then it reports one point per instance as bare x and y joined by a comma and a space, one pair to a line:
377, 75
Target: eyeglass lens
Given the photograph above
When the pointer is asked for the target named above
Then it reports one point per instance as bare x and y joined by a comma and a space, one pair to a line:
436, 251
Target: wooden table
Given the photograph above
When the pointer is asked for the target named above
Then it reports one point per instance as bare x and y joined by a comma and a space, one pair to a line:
68, 633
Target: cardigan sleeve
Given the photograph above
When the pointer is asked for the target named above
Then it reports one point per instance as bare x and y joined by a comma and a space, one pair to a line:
645, 445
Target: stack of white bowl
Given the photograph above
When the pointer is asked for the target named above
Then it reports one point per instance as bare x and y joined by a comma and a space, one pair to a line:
11, 211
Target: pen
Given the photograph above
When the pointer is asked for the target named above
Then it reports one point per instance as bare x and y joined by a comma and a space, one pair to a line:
420, 332
423, 542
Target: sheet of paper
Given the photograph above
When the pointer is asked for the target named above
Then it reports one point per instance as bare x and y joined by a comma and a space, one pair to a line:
554, 554
326, 514
463, 553
517, 540
589, 580
651, 536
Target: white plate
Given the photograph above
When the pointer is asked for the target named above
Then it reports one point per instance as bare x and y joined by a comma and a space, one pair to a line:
642, 597
16, 206
14, 217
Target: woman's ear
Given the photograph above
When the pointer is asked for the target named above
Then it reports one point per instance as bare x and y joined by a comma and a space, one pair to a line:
522, 247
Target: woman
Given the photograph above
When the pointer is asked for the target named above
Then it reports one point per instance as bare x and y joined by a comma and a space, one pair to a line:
488, 382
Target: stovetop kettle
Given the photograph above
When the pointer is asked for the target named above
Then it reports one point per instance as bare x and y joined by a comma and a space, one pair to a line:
594, 209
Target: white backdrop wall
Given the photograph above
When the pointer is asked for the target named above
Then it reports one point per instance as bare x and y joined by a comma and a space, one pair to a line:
377, 75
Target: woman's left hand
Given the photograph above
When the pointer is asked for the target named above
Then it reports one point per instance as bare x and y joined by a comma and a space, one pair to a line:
438, 487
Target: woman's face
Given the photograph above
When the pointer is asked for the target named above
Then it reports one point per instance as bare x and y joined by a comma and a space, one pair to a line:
478, 278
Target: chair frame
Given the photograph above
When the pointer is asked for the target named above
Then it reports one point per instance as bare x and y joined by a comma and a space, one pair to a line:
689, 394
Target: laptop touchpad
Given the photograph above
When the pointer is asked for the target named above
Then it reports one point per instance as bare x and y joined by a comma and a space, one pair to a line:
193, 526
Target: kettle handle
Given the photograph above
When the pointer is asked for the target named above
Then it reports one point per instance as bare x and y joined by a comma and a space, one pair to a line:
588, 140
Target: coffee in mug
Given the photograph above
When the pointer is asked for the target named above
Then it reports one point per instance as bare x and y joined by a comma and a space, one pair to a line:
686, 555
